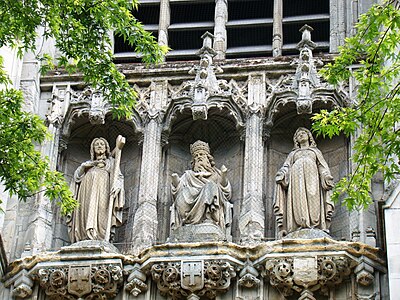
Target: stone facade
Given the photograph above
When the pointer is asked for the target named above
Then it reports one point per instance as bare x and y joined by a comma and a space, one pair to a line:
247, 110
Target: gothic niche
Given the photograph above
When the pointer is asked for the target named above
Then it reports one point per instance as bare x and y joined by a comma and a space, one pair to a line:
201, 177
98, 186
201, 198
303, 185
290, 183
112, 175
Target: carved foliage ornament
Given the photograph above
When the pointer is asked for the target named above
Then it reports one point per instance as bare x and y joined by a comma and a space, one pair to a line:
136, 281
202, 278
98, 104
311, 274
81, 282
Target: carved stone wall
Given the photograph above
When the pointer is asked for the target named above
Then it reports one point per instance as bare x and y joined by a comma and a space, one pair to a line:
247, 110
77, 150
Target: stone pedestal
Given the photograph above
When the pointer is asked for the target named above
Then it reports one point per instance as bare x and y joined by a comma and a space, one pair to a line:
205, 232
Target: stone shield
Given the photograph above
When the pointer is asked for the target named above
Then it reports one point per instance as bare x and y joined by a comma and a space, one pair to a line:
192, 275
79, 281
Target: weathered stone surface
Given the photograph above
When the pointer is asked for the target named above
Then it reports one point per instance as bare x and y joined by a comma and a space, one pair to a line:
187, 278
205, 232
203, 269
99, 189
246, 109
201, 199
307, 233
302, 194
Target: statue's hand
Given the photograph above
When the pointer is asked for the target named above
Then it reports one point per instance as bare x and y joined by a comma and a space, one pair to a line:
279, 176
224, 171
175, 179
329, 181
88, 164
115, 191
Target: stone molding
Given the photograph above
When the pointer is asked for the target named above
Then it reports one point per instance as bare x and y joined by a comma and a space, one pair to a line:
308, 274
193, 270
83, 281
181, 279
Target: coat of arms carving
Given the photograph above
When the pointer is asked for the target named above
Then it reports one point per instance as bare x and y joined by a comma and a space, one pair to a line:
79, 281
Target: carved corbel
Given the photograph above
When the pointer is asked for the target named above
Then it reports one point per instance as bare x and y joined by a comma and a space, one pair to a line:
280, 274
23, 284
97, 112
101, 281
249, 276
364, 274
95, 100
136, 283
306, 275
193, 279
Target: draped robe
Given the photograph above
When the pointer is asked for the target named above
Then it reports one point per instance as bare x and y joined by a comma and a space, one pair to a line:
302, 198
92, 189
199, 199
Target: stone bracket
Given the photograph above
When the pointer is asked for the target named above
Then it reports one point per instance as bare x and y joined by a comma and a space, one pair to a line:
81, 279
193, 278
308, 274
94, 269
22, 284
136, 282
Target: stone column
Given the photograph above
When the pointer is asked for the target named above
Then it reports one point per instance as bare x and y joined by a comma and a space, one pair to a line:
145, 221
13, 66
165, 19
277, 28
29, 224
337, 24
221, 17
251, 222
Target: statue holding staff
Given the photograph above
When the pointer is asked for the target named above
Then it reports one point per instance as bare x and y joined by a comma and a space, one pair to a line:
98, 186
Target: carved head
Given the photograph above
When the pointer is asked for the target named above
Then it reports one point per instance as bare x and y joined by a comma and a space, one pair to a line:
297, 135
99, 146
202, 160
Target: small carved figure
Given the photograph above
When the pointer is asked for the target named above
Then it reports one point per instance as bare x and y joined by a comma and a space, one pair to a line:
201, 195
98, 186
303, 184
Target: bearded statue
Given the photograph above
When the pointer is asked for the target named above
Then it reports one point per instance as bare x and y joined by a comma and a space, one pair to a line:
201, 195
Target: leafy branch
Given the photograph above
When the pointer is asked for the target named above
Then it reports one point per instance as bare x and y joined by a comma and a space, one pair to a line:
373, 120
81, 32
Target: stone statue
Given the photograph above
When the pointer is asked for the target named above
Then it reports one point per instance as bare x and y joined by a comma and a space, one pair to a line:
98, 186
201, 195
303, 184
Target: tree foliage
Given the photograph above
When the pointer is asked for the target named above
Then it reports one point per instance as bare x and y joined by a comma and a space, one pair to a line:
372, 57
81, 31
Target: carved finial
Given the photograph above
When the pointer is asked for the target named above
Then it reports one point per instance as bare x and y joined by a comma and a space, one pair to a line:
207, 39
207, 45
306, 38
306, 77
